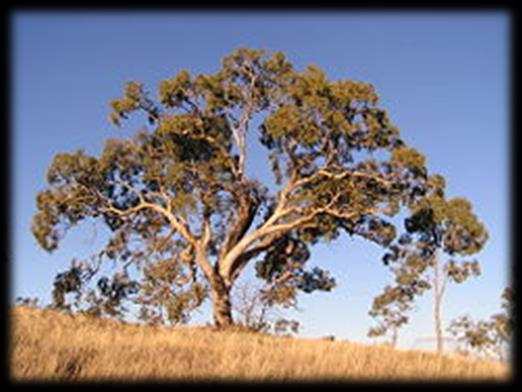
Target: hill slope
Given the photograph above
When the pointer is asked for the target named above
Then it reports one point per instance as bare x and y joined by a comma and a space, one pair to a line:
46, 345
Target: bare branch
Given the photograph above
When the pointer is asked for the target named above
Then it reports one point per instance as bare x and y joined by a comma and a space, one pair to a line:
173, 220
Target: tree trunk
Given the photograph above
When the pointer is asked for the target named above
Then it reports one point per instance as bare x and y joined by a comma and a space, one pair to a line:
395, 337
438, 327
221, 303
437, 299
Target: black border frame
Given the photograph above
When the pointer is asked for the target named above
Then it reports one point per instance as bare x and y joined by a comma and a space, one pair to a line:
367, 6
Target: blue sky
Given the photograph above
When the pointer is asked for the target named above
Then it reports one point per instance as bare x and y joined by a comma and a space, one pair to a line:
443, 77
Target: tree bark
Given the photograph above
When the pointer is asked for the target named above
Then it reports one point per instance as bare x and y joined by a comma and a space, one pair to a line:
437, 299
438, 327
222, 308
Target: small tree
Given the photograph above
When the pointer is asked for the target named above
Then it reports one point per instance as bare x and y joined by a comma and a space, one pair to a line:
257, 308
391, 311
179, 202
437, 227
27, 301
490, 337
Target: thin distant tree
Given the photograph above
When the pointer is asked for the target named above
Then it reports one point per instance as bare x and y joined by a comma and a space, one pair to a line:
436, 228
184, 214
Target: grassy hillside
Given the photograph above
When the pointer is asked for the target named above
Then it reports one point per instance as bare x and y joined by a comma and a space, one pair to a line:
45, 345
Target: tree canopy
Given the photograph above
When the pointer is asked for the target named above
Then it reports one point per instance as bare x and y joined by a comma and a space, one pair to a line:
186, 216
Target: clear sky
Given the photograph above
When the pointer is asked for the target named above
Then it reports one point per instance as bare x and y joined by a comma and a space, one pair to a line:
443, 77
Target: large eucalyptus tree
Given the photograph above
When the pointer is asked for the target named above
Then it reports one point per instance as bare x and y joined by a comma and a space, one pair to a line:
186, 214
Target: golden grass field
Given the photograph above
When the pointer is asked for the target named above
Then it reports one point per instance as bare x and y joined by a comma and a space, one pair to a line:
49, 346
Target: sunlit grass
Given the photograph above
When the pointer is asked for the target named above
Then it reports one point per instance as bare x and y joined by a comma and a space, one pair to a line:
46, 345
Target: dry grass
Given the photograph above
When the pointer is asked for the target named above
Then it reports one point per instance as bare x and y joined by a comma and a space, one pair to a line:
48, 346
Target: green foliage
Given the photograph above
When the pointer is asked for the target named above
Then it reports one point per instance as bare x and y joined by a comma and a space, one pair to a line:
164, 297
391, 308
406, 157
134, 99
108, 297
283, 269
459, 273
449, 225
105, 299
66, 282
